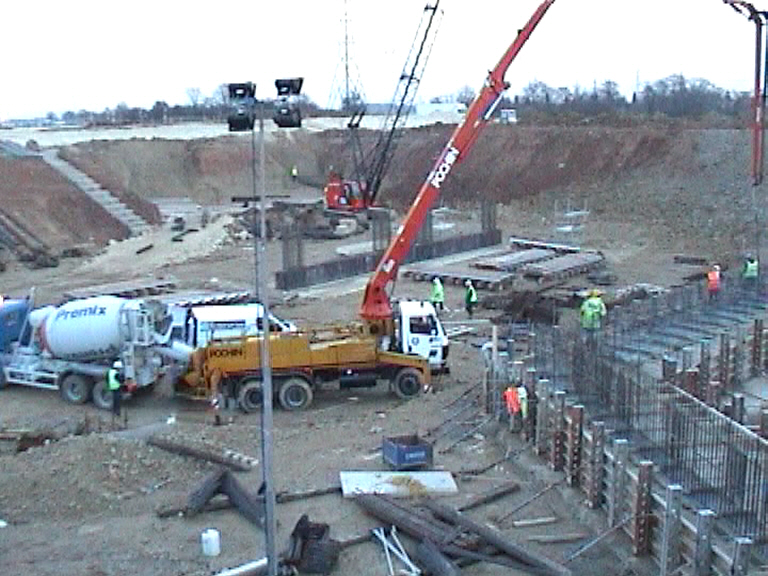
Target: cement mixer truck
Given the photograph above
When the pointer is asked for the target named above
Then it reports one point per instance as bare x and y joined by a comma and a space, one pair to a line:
70, 347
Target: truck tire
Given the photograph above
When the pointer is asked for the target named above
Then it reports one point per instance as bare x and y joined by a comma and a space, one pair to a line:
3, 381
250, 395
407, 383
295, 394
102, 395
76, 388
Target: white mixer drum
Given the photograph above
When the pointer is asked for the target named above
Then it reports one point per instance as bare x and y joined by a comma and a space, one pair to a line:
86, 329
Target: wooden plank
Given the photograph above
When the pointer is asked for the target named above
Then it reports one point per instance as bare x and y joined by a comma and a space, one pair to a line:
528, 522
557, 538
398, 484
490, 496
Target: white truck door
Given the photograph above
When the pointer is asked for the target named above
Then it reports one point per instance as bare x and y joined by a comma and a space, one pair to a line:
422, 333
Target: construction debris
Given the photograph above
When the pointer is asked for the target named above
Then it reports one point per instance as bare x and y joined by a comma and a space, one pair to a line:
434, 561
538, 563
311, 549
398, 484
457, 537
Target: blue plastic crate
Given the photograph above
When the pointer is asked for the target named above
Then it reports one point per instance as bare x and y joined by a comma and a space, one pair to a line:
402, 452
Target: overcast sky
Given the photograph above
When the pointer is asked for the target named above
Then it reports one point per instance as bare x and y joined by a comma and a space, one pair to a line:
60, 55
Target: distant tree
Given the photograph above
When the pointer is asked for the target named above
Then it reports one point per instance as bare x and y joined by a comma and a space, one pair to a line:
465, 95
609, 90
436, 100
194, 95
220, 96
51, 117
159, 112
537, 92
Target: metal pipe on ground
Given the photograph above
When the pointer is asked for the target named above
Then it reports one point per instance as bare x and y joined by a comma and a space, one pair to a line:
255, 568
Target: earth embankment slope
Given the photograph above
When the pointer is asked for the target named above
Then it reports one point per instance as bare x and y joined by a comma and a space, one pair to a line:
691, 187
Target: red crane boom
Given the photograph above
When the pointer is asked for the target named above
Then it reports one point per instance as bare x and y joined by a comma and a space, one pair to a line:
376, 306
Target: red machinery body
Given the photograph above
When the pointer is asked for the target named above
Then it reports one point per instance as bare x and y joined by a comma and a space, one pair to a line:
346, 195
376, 306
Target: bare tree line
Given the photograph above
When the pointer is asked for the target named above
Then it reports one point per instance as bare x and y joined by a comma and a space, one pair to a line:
669, 99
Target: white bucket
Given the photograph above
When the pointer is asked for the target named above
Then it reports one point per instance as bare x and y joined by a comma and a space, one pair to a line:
211, 541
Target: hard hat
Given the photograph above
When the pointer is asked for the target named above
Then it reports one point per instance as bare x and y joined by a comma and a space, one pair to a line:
595, 292
716, 267
436, 279
468, 282
117, 364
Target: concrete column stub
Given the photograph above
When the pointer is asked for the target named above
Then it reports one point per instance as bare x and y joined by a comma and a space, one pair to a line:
702, 561
616, 489
670, 542
741, 552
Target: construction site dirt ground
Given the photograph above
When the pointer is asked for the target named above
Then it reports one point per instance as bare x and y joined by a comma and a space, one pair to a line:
86, 505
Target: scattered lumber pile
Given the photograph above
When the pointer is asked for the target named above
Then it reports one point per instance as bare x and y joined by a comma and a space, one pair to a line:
449, 539
219, 482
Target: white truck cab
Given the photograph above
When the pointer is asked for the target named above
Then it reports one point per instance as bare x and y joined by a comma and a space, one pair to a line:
418, 331
197, 325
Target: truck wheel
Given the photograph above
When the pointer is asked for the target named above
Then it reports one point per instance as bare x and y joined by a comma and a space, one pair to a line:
295, 394
3, 381
102, 396
250, 395
76, 388
407, 383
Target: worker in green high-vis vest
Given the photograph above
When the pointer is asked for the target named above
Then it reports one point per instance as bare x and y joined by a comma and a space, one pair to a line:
114, 384
437, 294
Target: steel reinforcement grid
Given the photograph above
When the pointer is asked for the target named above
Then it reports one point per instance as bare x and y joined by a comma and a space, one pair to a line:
721, 464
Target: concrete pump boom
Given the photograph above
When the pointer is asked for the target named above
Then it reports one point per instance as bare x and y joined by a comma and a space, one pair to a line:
376, 307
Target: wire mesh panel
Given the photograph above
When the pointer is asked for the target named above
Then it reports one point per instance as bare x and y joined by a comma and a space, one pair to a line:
720, 464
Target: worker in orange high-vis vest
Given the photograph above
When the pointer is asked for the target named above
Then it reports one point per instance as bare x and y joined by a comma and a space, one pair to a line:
714, 282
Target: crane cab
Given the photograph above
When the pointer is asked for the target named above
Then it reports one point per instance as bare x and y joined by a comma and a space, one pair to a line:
345, 195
